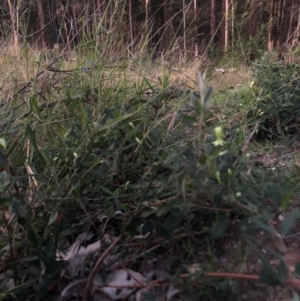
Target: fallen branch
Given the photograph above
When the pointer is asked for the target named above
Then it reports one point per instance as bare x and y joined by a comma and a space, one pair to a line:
291, 281
96, 268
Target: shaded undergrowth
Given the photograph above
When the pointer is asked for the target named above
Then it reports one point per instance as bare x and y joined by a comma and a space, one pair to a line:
107, 152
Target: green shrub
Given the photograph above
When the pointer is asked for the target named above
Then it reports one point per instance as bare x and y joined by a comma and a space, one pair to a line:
277, 103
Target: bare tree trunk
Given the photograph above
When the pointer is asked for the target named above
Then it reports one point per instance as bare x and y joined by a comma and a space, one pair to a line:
75, 24
221, 38
41, 15
232, 24
226, 26
87, 21
131, 25
65, 7
294, 37
252, 26
184, 28
297, 31
196, 29
102, 20
101, 10
281, 8
271, 26
14, 23
279, 35
289, 33
166, 37
148, 22
54, 22
213, 20
111, 15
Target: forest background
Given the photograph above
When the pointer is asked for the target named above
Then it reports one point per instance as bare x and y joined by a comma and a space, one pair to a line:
185, 28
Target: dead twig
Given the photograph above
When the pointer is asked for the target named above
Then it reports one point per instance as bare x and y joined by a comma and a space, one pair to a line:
95, 269
290, 281
245, 146
38, 75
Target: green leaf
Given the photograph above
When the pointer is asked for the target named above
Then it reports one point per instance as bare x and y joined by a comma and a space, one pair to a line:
172, 223
47, 256
196, 103
32, 237
268, 275
2, 143
257, 222
32, 140
133, 225
297, 269
18, 288
21, 212
3, 161
219, 227
295, 297
297, 167
4, 200
4, 180
114, 122
84, 114
53, 218
207, 95
106, 190
187, 120
163, 180
162, 210
75, 184
150, 86
147, 213
33, 103
103, 169
289, 222
47, 280
161, 230
147, 227
149, 296
283, 271
285, 201
268, 279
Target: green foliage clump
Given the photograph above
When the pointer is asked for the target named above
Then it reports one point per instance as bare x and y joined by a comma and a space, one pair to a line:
277, 106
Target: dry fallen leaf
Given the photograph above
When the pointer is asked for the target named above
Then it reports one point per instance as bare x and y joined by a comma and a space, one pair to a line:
77, 255
120, 278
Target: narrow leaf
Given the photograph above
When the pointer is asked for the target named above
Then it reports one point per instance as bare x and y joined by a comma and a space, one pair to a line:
289, 222
161, 230
149, 296
257, 222
219, 228
53, 218
20, 211
295, 297
33, 103
269, 275
207, 95
32, 237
